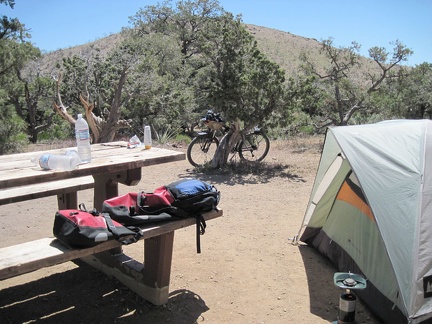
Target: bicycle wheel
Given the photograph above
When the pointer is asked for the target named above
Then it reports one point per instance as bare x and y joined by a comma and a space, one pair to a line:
201, 150
254, 147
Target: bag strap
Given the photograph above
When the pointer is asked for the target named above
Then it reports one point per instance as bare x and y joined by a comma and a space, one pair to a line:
200, 227
110, 225
83, 207
140, 198
200, 230
113, 229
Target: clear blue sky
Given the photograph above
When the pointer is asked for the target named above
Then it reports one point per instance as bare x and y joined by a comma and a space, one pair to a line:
57, 24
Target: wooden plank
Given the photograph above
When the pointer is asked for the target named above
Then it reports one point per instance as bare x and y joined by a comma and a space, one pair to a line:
106, 159
39, 190
26, 257
34, 255
150, 279
10, 161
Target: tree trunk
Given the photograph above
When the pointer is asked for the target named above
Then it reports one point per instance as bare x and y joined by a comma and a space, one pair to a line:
226, 145
108, 132
102, 130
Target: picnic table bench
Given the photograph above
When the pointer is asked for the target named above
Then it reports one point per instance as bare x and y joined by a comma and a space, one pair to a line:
112, 163
149, 279
66, 191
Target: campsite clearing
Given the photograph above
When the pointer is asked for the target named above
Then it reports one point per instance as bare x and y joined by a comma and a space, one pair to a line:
248, 271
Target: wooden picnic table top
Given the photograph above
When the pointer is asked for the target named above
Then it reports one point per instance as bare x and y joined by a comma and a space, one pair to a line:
18, 170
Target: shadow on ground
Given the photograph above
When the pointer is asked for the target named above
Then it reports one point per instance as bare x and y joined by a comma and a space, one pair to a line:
245, 173
91, 297
320, 272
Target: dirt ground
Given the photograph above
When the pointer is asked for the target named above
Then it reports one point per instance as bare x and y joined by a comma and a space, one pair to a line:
248, 271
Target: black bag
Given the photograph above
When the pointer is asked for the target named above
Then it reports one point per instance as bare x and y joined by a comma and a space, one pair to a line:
79, 228
125, 210
180, 199
192, 196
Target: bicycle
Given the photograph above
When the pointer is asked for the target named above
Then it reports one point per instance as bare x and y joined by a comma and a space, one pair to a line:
253, 147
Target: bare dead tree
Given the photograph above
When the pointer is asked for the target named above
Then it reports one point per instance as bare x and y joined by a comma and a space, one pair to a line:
59, 107
102, 130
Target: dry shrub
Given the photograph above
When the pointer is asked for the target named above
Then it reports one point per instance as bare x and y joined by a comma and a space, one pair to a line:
300, 144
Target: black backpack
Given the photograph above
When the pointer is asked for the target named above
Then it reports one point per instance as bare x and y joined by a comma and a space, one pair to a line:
180, 199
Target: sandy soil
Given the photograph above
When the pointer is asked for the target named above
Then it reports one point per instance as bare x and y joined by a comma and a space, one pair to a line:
248, 271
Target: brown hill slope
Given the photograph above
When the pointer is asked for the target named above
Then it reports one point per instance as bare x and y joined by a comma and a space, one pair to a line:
284, 48
281, 47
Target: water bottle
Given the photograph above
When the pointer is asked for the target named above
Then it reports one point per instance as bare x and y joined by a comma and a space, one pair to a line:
73, 153
82, 135
49, 161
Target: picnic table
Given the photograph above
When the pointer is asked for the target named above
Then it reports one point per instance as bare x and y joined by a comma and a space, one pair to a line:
112, 163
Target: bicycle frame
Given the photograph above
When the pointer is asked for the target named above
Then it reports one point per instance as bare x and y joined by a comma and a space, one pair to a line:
252, 147
210, 135
239, 146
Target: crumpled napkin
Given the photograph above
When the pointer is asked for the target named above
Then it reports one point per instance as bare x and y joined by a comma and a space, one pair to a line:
134, 141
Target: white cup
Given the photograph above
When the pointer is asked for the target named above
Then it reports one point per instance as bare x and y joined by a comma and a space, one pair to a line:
147, 138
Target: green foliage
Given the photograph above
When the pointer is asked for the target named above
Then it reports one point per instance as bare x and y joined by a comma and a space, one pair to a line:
205, 59
407, 96
245, 85
33, 98
211, 61
345, 91
307, 129
60, 130
182, 138
92, 76
164, 136
416, 92
12, 129
171, 91
180, 59
75, 73
24, 90
12, 28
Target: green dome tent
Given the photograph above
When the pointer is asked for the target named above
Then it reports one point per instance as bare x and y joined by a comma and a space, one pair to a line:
370, 212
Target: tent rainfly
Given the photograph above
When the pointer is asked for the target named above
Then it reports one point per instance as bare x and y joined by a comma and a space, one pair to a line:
370, 212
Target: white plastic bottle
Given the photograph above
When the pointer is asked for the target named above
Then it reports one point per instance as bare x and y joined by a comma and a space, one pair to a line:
49, 161
82, 135
147, 138
73, 153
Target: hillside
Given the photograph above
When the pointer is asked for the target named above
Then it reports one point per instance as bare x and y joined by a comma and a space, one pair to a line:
284, 48
50, 59
281, 47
